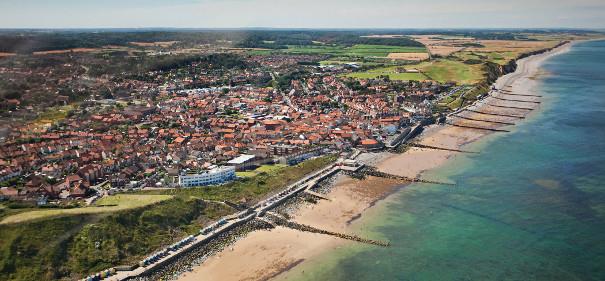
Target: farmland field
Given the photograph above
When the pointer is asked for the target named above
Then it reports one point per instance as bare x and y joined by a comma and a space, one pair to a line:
442, 70
408, 56
353, 51
338, 61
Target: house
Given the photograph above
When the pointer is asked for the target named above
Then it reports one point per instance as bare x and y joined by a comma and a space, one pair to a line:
9, 192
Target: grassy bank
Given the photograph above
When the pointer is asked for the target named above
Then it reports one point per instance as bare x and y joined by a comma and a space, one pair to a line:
104, 205
69, 247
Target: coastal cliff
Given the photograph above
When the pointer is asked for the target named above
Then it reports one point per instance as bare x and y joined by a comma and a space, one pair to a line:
493, 71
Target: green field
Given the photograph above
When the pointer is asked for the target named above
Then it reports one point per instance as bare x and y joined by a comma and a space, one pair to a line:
353, 51
337, 61
388, 71
501, 58
444, 70
441, 70
53, 114
261, 169
115, 203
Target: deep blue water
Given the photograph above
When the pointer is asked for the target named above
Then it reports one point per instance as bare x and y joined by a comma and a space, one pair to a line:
530, 206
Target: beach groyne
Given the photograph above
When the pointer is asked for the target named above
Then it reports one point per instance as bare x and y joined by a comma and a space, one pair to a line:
496, 114
483, 120
373, 171
418, 145
278, 220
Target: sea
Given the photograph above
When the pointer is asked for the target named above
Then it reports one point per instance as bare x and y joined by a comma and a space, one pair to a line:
529, 206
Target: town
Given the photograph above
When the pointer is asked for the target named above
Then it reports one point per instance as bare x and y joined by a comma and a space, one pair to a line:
137, 155
169, 133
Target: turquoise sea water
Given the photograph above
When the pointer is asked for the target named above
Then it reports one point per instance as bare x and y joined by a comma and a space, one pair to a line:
531, 206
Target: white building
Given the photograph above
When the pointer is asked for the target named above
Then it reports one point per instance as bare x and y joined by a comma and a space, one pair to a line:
217, 175
242, 162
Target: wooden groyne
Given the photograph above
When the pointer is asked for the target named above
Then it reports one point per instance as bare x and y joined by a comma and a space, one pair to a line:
505, 92
479, 128
372, 171
267, 221
510, 107
315, 194
441, 148
514, 100
278, 220
496, 114
481, 120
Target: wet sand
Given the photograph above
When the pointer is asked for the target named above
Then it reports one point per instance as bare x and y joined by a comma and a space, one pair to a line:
263, 255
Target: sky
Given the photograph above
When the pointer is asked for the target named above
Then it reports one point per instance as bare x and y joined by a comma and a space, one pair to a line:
302, 13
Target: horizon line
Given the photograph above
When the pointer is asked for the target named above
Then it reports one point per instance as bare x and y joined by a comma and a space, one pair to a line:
599, 29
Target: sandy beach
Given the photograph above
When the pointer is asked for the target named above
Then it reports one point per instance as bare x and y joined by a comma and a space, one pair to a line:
263, 255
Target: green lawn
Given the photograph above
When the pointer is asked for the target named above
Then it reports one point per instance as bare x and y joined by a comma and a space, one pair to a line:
262, 169
106, 204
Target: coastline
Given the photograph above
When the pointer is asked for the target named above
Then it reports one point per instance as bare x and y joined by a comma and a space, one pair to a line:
267, 254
